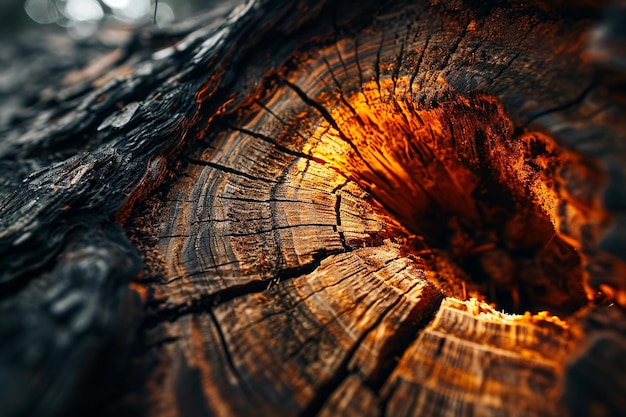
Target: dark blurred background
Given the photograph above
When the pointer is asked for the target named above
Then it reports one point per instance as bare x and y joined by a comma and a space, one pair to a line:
81, 18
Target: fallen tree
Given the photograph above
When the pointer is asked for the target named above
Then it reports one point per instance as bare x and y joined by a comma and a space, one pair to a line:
318, 208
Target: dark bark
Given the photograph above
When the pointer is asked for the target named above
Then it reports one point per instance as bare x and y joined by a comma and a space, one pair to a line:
260, 211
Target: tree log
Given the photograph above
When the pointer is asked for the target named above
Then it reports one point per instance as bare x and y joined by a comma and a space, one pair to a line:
318, 208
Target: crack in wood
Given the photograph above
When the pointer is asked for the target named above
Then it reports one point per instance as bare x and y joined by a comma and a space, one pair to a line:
228, 294
562, 107
230, 170
325, 391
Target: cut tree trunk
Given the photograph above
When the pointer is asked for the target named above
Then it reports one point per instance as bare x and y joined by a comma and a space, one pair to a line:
318, 208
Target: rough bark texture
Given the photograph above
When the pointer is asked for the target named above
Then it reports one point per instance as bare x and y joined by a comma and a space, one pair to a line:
303, 208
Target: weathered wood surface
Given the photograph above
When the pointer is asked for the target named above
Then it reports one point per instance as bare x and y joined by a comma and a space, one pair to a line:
282, 210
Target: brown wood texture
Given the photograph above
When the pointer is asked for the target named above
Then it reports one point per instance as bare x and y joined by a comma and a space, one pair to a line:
329, 209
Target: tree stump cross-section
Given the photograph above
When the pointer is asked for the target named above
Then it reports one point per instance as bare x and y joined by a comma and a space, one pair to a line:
321, 208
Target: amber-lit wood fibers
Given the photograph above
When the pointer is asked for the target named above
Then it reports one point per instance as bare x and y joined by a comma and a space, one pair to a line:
318, 245
457, 178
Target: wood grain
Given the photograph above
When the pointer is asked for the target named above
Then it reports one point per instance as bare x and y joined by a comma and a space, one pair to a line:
305, 208
472, 360
372, 140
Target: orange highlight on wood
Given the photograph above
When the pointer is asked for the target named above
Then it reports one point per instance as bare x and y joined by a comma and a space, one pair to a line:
453, 173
